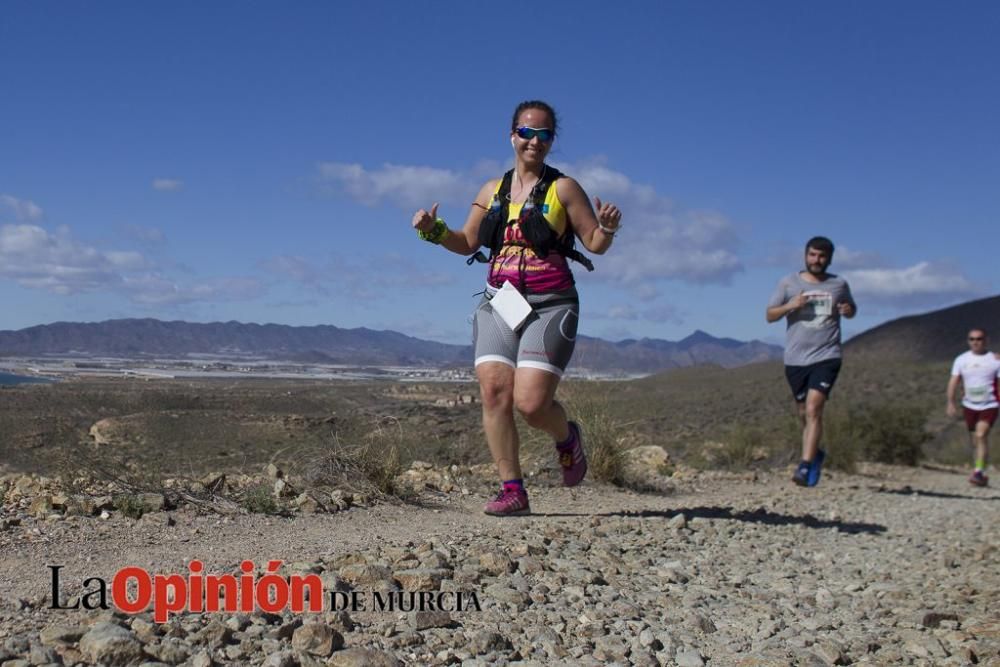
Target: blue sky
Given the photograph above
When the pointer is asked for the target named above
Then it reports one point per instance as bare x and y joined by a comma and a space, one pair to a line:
261, 161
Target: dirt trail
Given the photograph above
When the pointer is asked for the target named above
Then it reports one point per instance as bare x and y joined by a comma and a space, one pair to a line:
846, 571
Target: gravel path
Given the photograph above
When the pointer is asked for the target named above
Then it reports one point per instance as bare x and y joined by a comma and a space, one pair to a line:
895, 566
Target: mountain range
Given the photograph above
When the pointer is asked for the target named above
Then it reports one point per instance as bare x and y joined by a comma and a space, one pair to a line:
327, 344
934, 336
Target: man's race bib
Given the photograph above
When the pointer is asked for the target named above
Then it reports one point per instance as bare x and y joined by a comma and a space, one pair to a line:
983, 394
818, 311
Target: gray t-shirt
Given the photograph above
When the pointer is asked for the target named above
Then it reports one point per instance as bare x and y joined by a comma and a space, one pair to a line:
813, 332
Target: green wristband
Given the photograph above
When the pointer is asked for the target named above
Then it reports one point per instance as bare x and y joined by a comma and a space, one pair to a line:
437, 233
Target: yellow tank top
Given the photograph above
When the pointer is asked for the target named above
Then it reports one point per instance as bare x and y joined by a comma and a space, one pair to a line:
552, 209
519, 264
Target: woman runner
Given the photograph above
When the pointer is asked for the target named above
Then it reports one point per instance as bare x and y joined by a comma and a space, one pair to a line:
527, 220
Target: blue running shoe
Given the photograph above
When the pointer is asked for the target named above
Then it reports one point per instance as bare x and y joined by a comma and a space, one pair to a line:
801, 476
815, 468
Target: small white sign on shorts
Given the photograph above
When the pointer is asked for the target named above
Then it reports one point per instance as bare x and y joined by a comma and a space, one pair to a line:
510, 305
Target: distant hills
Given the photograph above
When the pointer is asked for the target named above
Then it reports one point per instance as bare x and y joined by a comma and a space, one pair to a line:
935, 336
326, 344
135, 338
650, 355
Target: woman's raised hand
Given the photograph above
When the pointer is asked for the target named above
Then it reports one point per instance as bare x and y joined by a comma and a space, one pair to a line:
423, 220
608, 215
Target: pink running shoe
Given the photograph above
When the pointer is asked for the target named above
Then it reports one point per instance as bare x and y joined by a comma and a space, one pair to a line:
978, 478
571, 457
508, 503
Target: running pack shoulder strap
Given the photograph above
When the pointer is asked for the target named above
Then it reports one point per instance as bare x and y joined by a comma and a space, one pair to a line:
491, 229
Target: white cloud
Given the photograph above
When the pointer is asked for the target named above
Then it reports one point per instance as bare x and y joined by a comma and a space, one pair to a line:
658, 240
597, 178
426, 329
167, 184
616, 333
645, 292
147, 236
408, 187
886, 288
789, 257
922, 281
24, 210
358, 278
659, 314
354, 274
696, 247
295, 268
664, 314
34, 257
881, 288
847, 259
621, 312
154, 289
297, 303
406, 273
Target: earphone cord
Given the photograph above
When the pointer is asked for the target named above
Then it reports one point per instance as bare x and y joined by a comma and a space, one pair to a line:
519, 181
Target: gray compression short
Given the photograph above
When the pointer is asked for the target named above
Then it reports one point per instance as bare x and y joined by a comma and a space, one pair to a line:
545, 341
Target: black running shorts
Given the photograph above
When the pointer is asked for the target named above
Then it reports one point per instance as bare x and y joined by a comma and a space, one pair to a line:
820, 376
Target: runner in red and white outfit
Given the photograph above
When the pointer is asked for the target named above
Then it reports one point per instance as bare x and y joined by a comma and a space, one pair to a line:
977, 370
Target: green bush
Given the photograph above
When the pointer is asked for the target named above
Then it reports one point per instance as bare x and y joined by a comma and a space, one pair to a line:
841, 438
259, 499
951, 446
743, 446
129, 505
881, 432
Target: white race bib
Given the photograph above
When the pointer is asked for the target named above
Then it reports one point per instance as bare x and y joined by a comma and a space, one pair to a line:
821, 302
818, 311
510, 305
982, 394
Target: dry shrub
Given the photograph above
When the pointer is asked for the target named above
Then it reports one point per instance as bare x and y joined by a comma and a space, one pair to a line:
601, 435
369, 465
89, 470
739, 448
605, 436
84, 464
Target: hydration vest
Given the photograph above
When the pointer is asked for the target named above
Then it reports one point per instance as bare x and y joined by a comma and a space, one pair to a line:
536, 230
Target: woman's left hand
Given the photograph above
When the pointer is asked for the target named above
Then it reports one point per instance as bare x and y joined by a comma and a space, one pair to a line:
608, 215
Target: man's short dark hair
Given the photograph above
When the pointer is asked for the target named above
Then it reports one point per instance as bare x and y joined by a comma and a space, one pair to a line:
820, 243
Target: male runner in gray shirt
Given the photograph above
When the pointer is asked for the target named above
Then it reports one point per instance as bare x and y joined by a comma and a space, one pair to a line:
812, 301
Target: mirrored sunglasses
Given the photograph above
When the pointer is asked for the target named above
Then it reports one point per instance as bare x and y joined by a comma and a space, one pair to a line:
544, 134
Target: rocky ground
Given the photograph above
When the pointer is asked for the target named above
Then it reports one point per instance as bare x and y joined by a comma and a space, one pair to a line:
893, 566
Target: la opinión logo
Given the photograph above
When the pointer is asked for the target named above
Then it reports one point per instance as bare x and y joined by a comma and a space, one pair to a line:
134, 590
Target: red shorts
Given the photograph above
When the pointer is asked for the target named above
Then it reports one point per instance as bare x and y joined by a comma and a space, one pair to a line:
973, 416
